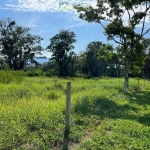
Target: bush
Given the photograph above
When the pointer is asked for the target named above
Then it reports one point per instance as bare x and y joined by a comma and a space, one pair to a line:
11, 76
49, 74
34, 72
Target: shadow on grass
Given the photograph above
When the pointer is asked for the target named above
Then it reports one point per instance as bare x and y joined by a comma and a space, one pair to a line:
66, 138
101, 106
139, 97
145, 119
142, 97
106, 108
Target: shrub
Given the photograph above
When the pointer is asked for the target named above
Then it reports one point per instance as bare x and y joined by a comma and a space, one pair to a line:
11, 76
49, 74
34, 72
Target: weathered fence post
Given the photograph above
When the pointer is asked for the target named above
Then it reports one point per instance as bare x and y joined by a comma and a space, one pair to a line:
67, 126
68, 102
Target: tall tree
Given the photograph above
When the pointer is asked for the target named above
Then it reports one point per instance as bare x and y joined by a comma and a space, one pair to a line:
17, 44
120, 20
60, 46
93, 64
82, 65
72, 65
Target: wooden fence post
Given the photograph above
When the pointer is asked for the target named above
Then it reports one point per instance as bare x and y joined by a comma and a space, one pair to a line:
68, 102
67, 126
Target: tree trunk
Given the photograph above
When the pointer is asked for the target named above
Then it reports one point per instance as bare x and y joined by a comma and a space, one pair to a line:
61, 69
10, 62
126, 82
21, 65
15, 64
72, 68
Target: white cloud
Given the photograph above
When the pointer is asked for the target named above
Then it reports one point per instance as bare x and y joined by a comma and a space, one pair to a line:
54, 6
46, 5
46, 54
33, 25
75, 25
32, 22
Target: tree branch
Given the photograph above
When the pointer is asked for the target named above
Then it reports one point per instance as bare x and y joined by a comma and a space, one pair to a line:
147, 8
108, 35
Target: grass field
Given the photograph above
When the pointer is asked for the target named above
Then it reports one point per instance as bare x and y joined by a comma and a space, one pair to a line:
103, 117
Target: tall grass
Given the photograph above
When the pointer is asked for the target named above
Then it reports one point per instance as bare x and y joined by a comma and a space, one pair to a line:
32, 114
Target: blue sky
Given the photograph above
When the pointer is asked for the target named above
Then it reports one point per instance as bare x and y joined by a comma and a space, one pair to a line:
48, 17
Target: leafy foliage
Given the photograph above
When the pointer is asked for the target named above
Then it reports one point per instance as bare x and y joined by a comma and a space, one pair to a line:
88, 62
34, 72
60, 46
122, 18
18, 46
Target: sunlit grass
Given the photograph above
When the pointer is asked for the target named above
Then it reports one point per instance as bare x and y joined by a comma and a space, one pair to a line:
32, 114
119, 134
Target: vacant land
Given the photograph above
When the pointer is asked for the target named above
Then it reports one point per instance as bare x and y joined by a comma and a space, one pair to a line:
32, 114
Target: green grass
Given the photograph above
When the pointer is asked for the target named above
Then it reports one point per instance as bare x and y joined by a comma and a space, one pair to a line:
32, 114
119, 134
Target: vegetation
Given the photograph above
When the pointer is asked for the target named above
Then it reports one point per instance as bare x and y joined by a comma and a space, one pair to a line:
19, 49
18, 46
8, 76
103, 116
92, 65
122, 30
32, 114
60, 46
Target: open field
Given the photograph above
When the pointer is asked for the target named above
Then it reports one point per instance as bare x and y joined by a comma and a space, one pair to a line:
32, 114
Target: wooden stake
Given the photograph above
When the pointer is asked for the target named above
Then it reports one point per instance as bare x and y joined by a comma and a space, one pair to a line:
68, 102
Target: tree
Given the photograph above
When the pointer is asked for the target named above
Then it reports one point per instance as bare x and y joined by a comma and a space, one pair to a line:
147, 66
60, 46
93, 64
72, 65
110, 55
120, 20
138, 60
50, 68
17, 45
146, 43
82, 65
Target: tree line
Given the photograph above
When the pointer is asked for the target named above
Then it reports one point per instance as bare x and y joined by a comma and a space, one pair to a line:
98, 59
19, 49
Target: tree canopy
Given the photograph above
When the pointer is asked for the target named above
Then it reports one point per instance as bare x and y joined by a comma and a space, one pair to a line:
17, 45
60, 46
120, 21
92, 62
